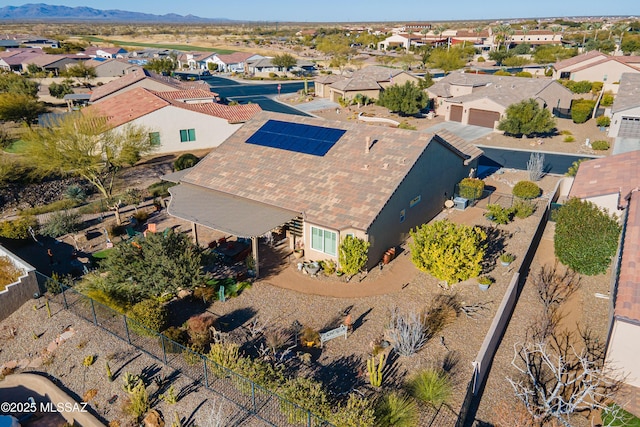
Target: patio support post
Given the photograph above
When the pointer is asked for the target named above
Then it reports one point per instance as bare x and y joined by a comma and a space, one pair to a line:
194, 232
254, 248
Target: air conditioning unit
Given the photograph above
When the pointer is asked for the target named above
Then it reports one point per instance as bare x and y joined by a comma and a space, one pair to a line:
460, 203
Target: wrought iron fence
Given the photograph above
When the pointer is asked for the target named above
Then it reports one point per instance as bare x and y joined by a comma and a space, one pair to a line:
266, 405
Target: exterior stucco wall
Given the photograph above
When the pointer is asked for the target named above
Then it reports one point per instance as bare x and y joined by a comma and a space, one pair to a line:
557, 72
433, 179
606, 201
623, 350
459, 90
616, 119
210, 131
16, 294
314, 255
612, 70
375, 94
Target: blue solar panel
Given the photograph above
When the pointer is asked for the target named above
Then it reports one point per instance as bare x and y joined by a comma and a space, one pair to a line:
307, 139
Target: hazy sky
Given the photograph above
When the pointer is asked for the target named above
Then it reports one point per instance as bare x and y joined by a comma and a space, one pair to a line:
359, 10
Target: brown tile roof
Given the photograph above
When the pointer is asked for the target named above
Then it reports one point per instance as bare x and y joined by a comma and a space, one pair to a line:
356, 83
231, 113
345, 187
578, 59
609, 175
627, 302
329, 78
180, 95
127, 106
117, 84
628, 93
604, 60
235, 58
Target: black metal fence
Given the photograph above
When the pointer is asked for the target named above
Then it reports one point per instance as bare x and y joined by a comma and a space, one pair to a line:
255, 399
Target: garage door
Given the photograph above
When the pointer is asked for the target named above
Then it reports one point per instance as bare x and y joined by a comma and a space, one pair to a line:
629, 127
456, 113
483, 118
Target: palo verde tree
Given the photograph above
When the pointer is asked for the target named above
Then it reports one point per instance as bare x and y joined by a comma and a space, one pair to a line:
527, 118
405, 100
448, 251
84, 145
161, 65
352, 255
19, 107
81, 72
586, 237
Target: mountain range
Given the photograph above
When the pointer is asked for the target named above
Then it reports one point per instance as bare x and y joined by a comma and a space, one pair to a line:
45, 12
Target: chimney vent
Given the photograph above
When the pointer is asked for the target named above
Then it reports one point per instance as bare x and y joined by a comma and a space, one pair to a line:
367, 142
385, 166
365, 167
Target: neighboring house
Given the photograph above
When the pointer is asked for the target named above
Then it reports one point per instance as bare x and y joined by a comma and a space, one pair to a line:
263, 66
612, 183
194, 60
481, 40
323, 180
104, 52
596, 67
54, 64
235, 62
14, 60
625, 111
146, 79
405, 41
482, 99
141, 57
112, 67
17, 40
178, 120
369, 81
535, 37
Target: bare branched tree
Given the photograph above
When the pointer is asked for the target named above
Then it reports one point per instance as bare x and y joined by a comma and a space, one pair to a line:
218, 416
535, 166
557, 381
407, 332
555, 287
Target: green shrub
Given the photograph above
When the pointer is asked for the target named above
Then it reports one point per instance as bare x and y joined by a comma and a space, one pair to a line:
573, 169
405, 125
565, 132
600, 145
61, 223
548, 72
581, 110
526, 190
524, 208
358, 412
583, 86
75, 193
569, 138
607, 99
396, 410
185, 161
176, 335
485, 280
431, 386
160, 189
59, 90
586, 237
471, 188
149, 313
524, 74
502, 73
58, 205
603, 121
308, 395
18, 228
498, 214
596, 87
353, 254
481, 59
9, 273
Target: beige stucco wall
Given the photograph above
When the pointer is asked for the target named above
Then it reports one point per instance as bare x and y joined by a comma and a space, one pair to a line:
606, 201
210, 131
556, 74
16, 294
623, 351
480, 104
611, 69
313, 255
459, 90
616, 120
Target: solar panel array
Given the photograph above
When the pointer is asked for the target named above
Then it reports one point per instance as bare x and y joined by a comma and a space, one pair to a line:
300, 138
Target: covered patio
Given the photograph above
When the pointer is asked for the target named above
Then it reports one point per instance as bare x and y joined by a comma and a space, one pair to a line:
228, 214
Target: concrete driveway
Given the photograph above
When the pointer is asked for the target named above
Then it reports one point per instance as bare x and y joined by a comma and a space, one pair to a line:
625, 145
467, 132
316, 105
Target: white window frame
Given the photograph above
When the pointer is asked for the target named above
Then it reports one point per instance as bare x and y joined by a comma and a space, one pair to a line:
323, 249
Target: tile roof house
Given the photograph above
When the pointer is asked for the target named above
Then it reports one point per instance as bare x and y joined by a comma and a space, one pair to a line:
235, 62
263, 66
482, 99
613, 183
325, 180
146, 79
369, 81
596, 67
112, 67
625, 111
178, 120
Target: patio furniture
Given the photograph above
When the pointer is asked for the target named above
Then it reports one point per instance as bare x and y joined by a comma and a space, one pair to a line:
131, 233
233, 251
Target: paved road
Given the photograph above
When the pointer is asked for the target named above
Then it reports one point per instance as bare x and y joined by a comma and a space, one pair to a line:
517, 159
262, 94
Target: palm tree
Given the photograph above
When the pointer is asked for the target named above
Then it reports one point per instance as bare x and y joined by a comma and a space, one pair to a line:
478, 30
585, 26
555, 30
500, 34
525, 30
596, 26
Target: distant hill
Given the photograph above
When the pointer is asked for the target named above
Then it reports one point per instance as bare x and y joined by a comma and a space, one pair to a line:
46, 12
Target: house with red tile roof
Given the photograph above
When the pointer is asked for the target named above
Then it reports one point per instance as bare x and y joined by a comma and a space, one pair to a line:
596, 66
613, 183
322, 180
145, 79
178, 120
